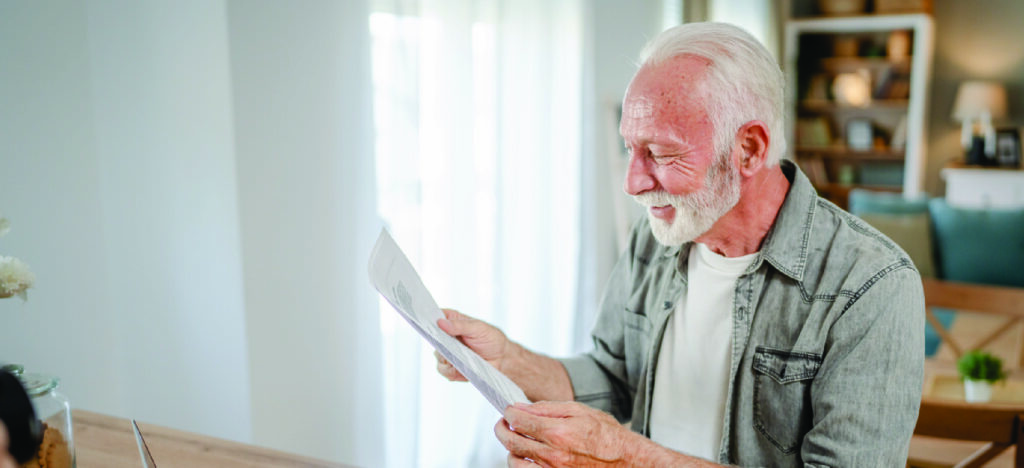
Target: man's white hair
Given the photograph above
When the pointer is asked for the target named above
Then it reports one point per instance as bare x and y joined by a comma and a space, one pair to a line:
743, 83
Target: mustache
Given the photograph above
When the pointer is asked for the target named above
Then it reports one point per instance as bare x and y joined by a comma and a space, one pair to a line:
659, 198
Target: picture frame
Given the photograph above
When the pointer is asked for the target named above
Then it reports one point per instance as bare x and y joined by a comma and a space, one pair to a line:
813, 132
859, 134
1008, 151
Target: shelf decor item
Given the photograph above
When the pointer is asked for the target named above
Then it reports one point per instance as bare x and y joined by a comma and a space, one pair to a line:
979, 371
813, 133
903, 6
853, 89
977, 104
859, 134
842, 7
897, 46
55, 432
1008, 148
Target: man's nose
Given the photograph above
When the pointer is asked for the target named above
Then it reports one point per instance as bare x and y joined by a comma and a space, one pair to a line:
638, 175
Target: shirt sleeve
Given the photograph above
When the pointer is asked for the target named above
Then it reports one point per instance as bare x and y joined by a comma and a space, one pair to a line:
876, 347
599, 378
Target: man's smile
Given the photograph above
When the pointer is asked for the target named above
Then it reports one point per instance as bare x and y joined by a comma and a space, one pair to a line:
665, 213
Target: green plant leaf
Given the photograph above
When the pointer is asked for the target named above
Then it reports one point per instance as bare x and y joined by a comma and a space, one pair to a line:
980, 365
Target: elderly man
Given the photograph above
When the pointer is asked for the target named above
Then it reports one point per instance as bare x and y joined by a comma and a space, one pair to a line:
749, 322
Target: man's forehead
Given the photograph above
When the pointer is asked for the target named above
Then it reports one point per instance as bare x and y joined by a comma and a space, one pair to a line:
664, 81
639, 108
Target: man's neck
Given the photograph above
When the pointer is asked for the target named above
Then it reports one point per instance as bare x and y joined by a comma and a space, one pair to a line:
742, 230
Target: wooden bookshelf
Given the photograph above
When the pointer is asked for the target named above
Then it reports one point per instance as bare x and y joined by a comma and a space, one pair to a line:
857, 100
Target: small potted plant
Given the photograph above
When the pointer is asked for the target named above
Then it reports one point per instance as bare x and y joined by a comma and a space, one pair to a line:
979, 371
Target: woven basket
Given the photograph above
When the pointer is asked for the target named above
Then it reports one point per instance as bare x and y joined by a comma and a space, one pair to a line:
903, 6
841, 7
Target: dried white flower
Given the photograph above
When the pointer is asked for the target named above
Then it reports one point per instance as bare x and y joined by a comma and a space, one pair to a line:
15, 277
5, 226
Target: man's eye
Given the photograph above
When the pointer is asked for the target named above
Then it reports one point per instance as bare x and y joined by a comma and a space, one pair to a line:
663, 158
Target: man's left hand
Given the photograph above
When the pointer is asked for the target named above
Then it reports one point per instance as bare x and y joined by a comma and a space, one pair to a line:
563, 434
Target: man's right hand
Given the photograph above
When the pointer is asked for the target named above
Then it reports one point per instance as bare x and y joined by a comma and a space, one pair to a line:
483, 338
540, 377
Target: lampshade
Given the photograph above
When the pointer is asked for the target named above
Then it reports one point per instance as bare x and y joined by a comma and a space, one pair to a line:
973, 98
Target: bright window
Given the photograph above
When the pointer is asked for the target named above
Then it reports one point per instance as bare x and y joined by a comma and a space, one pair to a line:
477, 115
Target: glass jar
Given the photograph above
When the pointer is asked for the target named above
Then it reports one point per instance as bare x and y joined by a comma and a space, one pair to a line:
58, 447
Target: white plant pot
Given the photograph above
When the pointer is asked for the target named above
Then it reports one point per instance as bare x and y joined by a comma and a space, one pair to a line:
977, 391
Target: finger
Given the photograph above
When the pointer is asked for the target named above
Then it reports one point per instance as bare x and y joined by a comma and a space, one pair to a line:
519, 445
457, 324
450, 316
440, 357
527, 424
449, 372
467, 331
447, 326
520, 462
551, 409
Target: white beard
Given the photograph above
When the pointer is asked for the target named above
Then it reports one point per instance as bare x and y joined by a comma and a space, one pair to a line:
696, 212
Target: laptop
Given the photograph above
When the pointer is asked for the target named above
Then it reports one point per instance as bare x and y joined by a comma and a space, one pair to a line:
147, 458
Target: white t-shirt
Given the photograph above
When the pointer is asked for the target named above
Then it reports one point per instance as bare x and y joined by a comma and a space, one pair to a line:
692, 375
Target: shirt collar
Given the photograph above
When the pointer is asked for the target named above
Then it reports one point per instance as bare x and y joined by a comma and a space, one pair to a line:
786, 245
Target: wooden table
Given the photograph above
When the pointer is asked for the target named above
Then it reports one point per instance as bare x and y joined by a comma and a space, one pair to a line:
946, 386
107, 442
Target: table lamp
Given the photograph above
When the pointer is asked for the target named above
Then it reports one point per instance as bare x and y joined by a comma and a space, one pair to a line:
977, 104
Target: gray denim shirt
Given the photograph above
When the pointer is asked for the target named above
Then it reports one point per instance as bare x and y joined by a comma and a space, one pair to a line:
827, 340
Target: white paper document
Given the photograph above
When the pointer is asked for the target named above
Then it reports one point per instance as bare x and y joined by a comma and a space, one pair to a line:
397, 280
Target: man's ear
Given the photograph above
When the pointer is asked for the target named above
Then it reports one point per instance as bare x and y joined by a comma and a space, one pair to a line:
753, 139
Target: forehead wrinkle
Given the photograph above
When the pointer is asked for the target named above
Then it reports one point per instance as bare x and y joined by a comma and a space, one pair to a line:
640, 108
663, 100
659, 119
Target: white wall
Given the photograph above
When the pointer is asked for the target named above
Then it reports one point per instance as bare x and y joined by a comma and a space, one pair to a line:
189, 274
118, 177
50, 190
305, 165
163, 132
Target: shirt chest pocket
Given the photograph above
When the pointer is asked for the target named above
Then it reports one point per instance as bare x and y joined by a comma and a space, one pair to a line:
782, 395
637, 341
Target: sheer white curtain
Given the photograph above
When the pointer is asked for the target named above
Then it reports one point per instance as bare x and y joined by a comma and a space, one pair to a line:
477, 112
